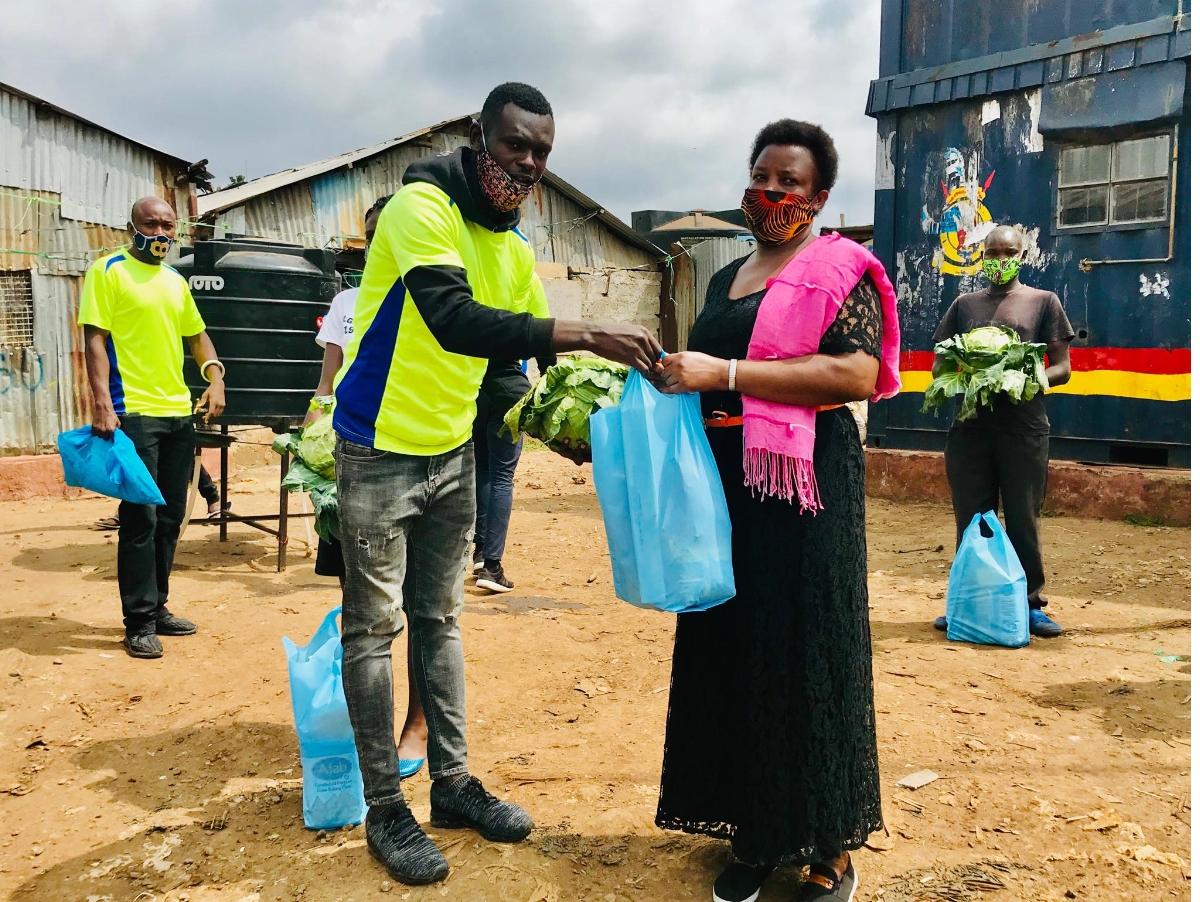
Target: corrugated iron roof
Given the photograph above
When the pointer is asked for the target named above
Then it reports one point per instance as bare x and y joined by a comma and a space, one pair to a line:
228, 198
46, 104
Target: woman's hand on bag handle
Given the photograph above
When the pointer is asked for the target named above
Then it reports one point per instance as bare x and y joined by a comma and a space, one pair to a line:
691, 371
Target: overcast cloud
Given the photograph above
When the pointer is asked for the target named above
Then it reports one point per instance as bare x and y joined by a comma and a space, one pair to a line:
656, 103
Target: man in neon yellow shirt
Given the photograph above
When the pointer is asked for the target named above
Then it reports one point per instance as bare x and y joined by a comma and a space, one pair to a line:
449, 283
136, 313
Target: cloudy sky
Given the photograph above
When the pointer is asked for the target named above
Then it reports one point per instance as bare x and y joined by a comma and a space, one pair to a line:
656, 102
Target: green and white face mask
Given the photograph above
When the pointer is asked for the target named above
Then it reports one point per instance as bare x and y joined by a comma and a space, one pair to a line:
1001, 270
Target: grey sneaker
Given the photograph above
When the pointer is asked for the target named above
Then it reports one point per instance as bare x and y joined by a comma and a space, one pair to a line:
169, 625
462, 801
493, 579
398, 843
144, 646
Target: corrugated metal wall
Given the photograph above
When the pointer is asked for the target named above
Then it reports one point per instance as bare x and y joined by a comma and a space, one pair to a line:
327, 210
691, 274
65, 192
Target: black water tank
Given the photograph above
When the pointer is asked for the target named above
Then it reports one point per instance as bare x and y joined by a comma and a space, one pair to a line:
261, 302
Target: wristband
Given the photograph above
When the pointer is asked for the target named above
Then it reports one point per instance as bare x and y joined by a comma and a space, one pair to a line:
320, 402
204, 369
733, 374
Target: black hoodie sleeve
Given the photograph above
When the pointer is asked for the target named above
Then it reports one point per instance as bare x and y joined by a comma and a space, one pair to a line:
462, 325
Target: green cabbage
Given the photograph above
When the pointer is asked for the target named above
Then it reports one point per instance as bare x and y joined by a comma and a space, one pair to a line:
316, 444
984, 364
556, 409
313, 470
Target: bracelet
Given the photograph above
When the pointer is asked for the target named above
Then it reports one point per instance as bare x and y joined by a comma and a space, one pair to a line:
733, 374
204, 369
320, 402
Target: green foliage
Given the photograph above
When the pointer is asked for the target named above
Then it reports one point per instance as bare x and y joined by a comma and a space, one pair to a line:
557, 408
984, 364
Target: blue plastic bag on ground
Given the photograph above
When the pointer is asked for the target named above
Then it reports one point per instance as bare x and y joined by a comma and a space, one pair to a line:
987, 601
665, 513
333, 786
108, 466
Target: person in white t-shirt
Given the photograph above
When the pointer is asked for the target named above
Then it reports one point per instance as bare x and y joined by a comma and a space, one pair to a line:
336, 329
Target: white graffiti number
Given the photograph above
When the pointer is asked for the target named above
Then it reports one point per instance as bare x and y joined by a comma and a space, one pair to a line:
1158, 285
206, 283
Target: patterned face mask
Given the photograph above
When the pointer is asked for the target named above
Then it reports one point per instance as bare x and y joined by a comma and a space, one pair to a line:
1001, 270
775, 216
157, 245
502, 191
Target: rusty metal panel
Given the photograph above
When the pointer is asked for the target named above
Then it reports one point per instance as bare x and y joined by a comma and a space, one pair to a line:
43, 388
97, 174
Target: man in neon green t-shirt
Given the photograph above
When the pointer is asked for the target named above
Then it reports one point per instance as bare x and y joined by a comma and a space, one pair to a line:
136, 312
449, 283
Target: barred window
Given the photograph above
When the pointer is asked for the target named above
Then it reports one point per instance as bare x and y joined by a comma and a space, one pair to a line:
16, 309
1122, 184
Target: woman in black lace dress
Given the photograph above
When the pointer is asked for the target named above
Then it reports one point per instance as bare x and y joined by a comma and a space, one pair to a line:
771, 728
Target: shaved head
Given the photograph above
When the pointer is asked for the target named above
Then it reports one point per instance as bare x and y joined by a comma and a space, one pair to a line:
150, 207
1004, 236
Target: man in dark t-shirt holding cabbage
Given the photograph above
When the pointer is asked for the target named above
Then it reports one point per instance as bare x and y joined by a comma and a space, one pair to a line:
1003, 454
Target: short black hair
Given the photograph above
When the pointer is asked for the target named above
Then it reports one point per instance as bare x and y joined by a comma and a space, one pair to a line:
801, 134
376, 207
525, 96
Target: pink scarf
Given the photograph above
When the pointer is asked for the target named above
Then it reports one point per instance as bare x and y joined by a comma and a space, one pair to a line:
800, 304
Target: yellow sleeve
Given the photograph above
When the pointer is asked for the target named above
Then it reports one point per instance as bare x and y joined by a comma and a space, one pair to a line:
420, 227
190, 322
535, 298
95, 301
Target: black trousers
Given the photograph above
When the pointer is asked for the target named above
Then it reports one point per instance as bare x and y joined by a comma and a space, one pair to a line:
207, 488
988, 467
149, 533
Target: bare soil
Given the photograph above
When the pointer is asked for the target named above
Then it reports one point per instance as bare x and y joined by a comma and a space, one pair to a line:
1063, 767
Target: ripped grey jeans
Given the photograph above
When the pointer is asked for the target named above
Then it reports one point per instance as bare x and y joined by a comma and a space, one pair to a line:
406, 523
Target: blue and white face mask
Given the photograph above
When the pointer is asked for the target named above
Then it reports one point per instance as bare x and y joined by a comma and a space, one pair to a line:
156, 245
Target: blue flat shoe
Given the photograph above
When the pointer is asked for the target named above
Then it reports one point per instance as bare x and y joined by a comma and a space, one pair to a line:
410, 766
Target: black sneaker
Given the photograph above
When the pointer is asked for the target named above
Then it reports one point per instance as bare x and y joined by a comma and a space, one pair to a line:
144, 646
397, 842
493, 579
741, 882
169, 625
477, 561
463, 802
830, 888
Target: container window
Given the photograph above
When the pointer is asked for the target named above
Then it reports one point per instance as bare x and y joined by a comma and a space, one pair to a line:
1125, 183
16, 309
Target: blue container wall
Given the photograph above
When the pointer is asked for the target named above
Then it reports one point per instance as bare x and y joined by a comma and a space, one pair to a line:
946, 31
993, 145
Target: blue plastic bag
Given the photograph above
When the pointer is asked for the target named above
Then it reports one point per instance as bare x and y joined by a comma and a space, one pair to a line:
108, 466
333, 786
664, 508
987, 601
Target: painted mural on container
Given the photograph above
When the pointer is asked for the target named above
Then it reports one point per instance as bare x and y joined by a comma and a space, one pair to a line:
965, 219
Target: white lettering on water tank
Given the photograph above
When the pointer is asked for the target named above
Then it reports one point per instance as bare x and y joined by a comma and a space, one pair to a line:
206, 283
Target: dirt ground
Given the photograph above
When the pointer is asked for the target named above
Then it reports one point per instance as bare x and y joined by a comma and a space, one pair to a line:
1063, 767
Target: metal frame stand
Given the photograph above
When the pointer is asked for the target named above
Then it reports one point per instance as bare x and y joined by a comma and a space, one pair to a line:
280, 530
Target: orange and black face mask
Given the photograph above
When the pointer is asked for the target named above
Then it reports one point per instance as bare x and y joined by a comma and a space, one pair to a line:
776, 216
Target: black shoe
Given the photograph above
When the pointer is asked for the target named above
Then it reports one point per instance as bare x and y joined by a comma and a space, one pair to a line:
170, 625
463, 802
398, 843
842, 890
741, 882
477, 561
939, 623
145, 645
493, 579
